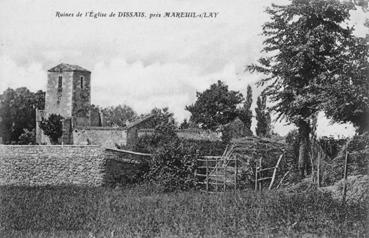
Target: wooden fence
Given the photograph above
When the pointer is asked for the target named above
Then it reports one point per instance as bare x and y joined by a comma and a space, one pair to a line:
220, 173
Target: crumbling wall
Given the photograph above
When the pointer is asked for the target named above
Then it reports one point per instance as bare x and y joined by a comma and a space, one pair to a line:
103, 136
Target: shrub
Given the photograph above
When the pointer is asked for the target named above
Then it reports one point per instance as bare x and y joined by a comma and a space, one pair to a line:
174, 162
174, 165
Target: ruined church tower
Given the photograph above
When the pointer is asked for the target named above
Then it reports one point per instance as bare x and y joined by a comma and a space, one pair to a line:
68, 93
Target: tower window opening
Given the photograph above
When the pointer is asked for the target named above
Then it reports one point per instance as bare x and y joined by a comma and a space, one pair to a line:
82, 82
60, 83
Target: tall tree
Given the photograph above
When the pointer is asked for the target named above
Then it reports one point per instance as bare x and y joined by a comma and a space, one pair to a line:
245, 113
301, 40
18, 112
215, 106
263, 125
347, 98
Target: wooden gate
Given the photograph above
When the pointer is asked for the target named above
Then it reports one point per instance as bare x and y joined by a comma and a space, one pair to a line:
221, 173
218, 173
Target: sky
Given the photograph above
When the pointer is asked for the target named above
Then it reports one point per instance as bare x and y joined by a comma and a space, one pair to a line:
144, 63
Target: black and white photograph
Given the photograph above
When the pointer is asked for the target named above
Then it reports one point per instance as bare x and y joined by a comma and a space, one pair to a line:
184, 118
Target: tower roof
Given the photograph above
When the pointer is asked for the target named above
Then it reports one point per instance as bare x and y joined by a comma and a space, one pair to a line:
67, 67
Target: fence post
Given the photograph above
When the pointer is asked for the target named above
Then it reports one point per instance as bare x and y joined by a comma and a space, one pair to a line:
225, 175
216, 174
318, 170
256, 177
207, 174
260, 183
345, 179
275, 171
235, 173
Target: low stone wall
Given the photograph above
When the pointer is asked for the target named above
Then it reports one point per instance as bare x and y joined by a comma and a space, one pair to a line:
103, 136
34, 165
55, 165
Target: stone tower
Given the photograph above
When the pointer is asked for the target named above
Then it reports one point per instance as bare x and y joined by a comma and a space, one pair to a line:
68, 93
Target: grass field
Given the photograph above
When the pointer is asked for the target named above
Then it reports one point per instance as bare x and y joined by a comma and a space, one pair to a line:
142, 212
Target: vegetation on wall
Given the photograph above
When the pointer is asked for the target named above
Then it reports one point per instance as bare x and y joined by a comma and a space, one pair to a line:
52, 127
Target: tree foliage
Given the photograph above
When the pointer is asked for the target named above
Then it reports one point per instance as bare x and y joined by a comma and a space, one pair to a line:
164, 127
53, 127
18, 112
215, 106
263, 125
346, 97
119, 115
305, 42
162, 116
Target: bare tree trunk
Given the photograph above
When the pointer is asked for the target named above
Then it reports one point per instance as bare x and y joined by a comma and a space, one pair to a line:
303, 162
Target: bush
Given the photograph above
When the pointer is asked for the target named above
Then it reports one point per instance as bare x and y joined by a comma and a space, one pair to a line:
174, 165
174, 161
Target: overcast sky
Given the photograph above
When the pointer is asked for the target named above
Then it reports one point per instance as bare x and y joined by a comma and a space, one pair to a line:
139, 62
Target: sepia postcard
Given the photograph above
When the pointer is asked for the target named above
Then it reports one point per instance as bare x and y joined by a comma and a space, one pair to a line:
184, 118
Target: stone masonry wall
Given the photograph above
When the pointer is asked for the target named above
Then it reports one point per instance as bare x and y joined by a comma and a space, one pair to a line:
34, 165
103, 136
59, 102
81, 97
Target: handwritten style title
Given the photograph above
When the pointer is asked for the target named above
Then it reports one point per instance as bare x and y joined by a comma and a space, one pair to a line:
148, 15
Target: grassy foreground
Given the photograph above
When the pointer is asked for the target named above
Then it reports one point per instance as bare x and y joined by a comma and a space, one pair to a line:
139, 212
